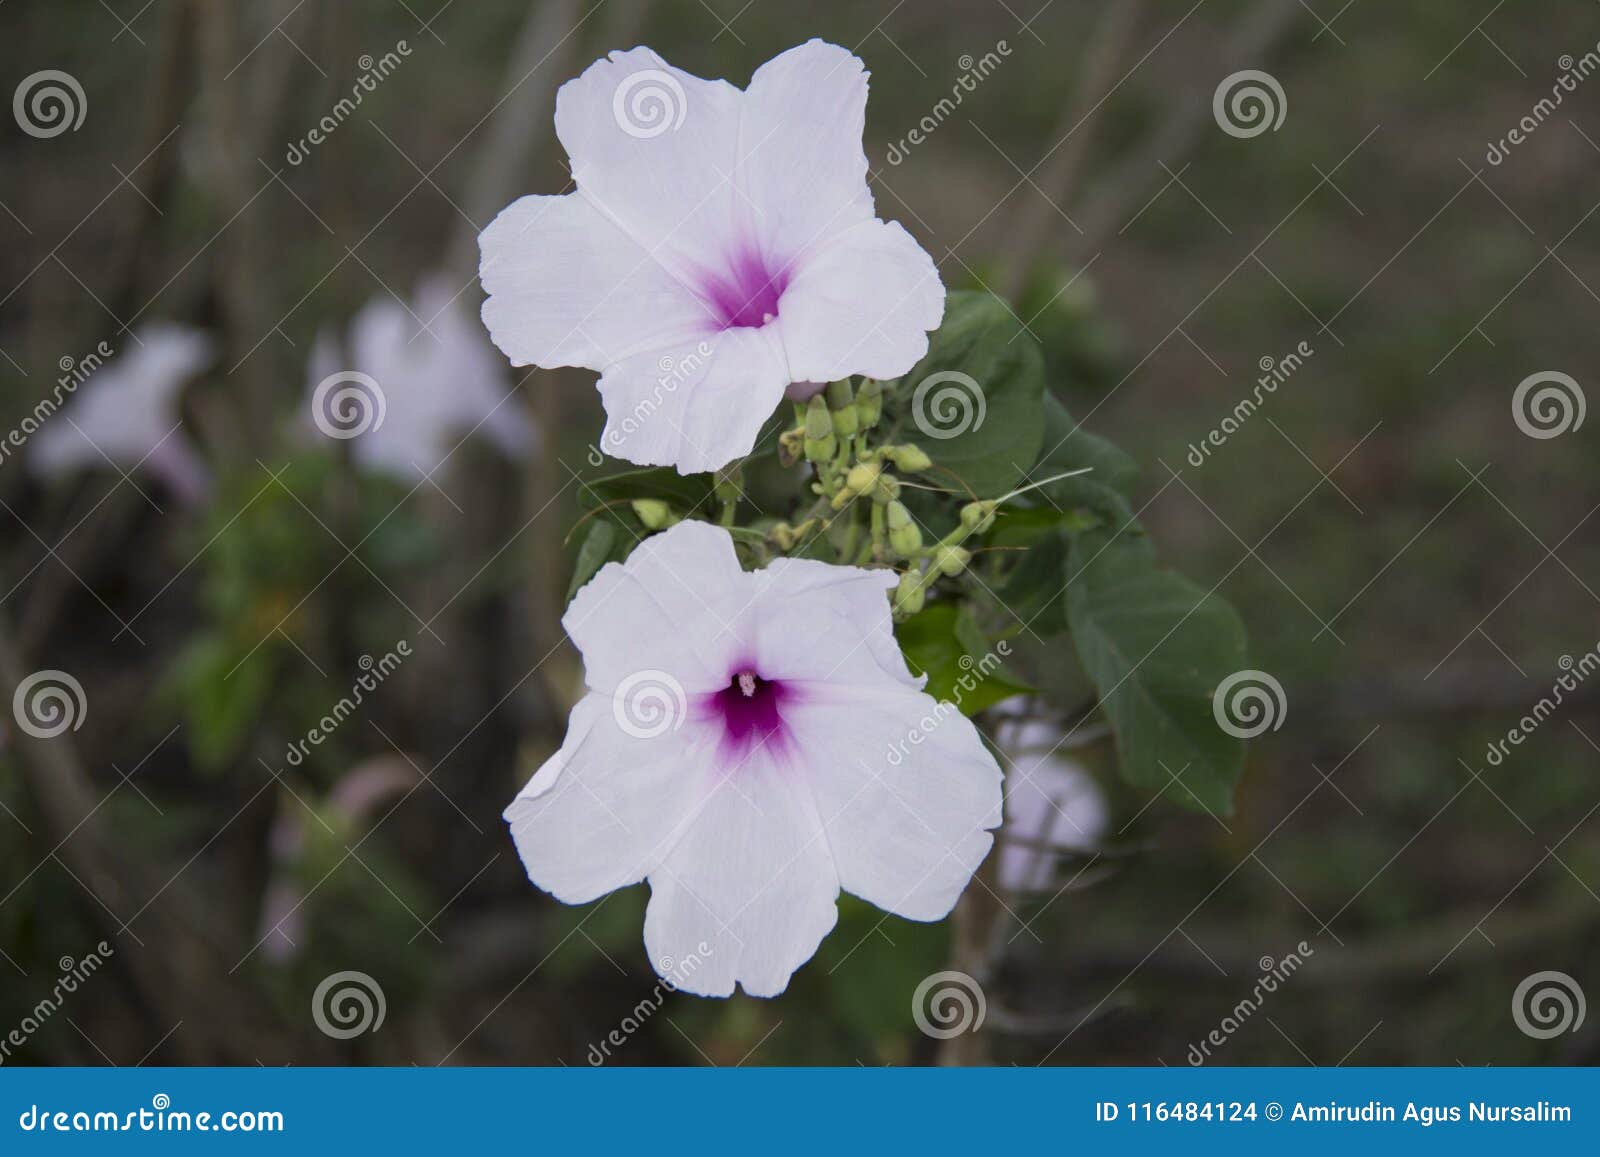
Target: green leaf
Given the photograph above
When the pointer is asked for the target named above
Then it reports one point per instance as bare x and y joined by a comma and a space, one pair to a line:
1156, 646
974, 402
1069, 447
600, 546
963, 667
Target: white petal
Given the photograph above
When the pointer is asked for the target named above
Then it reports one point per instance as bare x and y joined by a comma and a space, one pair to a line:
669, 610
604, 811
802, 162
654, 149
696, 407
906, 791
749, 890
862, 305
816, 622
568, 287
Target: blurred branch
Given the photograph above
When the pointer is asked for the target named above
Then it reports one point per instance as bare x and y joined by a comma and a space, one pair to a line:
180, 972
1102, 58
1255, 41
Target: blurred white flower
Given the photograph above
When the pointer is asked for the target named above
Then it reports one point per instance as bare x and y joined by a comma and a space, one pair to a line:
721, 246
439, 381
125, 415
1053, 805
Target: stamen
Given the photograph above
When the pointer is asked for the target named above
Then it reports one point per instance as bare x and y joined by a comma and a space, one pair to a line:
747, 684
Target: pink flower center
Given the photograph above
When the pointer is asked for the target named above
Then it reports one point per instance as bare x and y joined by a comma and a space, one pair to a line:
749, 710
747, 294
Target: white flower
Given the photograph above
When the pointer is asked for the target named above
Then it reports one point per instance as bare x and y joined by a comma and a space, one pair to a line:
436, 381
733, 749
1052, 805
709, 218
125, 415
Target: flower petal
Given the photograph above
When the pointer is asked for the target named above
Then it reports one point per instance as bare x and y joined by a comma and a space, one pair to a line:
696, 407
818, 622
906, 791
568, 287
803, 164
668, 610
654, 149
604, 810
861, 305
750, 888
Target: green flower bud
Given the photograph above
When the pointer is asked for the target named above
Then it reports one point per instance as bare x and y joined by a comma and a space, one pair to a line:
869, 403
909, 594
951, 560
839, 395
887, 488
654, 513
910, 458
819, 443
863, 477
977, 517
905, 536
845, 424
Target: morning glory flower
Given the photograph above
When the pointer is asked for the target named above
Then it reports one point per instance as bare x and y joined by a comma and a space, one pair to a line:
730, 750
414, 380
125, 415
721, 246
1053, 805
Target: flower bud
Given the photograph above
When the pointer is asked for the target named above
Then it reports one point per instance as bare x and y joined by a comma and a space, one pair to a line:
869, 403
977, 517
905, 537
863, 477
839, 395
887, 489
819, 441
911, 459
909, 594
951, 560
654, 513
